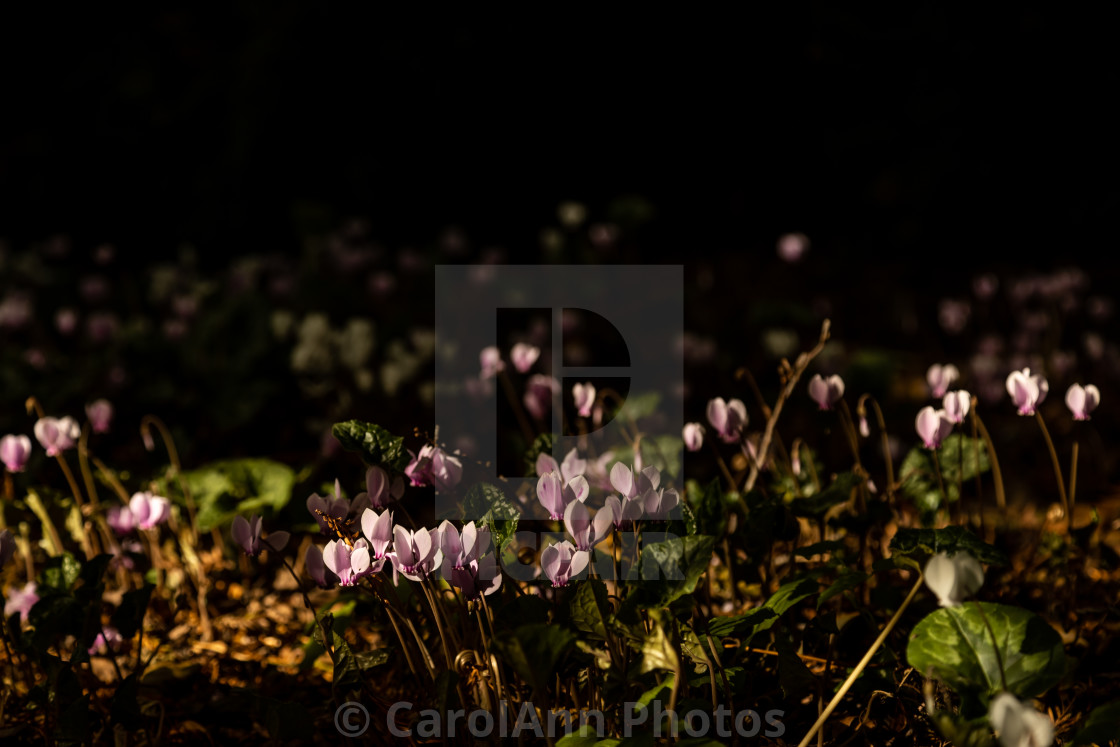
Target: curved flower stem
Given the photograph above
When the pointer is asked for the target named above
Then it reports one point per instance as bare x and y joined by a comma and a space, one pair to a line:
83, 465
940, 481
861, 665
790, 376
1072, 482
173, 456
997, 475
722, 465
882, 423
979, 483
1057, 469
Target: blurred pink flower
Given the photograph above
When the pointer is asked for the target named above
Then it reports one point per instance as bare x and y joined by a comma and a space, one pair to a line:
14, 452
524, 356
1082, 400
100, 413
539, 393
933, 426
490, 360
1027, 390
584, 396
956, 406
793, 246
727, 418
693, 434
21, 601
939, 378
826, 392
56, 435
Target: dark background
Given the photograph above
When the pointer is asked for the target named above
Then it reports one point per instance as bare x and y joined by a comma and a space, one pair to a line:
940, 136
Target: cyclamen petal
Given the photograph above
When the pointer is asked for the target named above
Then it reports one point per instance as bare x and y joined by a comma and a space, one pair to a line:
1082, 400
524, 356
940, 377
693, 434
584, 397
826, 392
1027, 390
933, 426
956, 406
727, 418
550, 492
15, 451
1018, 724
953, 579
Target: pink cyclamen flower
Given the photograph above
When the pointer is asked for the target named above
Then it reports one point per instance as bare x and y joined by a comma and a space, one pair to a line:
956, 406
108, 640
56, 435
588, 533
490, 361
1027, 390
584, 396
15, 451
939, 378
248, 535
727, 418
21, 601
625, 511
562, 562
659, 504
7, 547
317, 569
434, 466
378, 529
539, 392
826, 392
933, 426
477, 578
333, 505
350, 564
381, 490
460, 549
149, 510
524, 356
550, 493
120, 518
1082, 400
415, 554
100, 413
693, 434
571, 468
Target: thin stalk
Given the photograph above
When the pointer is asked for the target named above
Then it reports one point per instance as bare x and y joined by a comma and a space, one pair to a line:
792, 374
886, 445
861, 665
940, 482
518, 410
979, 482
1057, 468
1072, 482
997, 475
173, 456
722, 465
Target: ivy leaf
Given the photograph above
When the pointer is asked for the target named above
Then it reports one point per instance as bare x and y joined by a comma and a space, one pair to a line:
745, 625
1100, 727
951, 540
541, 444
838, 492
489, 506
960, 458
60, 572
590, 610
227, 488
376, 445
955, 645
669, 570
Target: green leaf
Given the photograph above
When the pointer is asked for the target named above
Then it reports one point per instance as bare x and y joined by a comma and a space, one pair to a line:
639, 405
129, 615
669, 570
542, 443
958, 460
955, 645
585, 736
792, 592
818, 505
827, 547
347, 671
951, 540
376, 445
375, 658
745, 625
709, 507
589, 608
658, 652
1101, 727
846, 582
60, 572
224, 489
489, 506
534, 650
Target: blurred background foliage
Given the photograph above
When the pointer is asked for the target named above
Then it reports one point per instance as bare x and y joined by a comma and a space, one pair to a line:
237, 210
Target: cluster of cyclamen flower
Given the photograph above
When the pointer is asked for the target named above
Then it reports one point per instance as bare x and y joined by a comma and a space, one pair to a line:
55, 435
1027, 392
563, 489
540, 389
